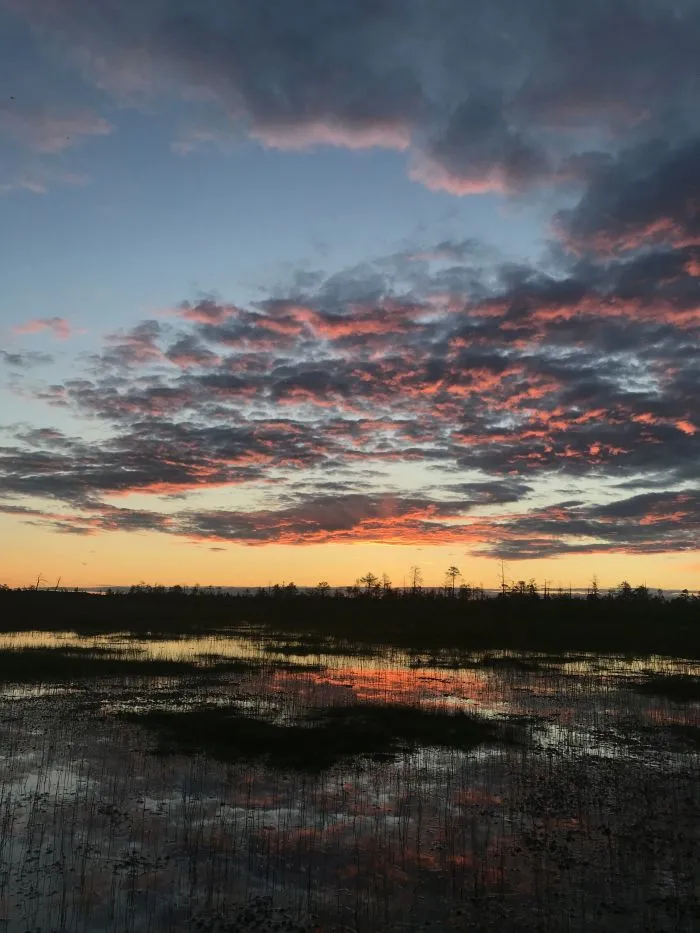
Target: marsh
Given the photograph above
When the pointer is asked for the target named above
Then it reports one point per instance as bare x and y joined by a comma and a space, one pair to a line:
224, 782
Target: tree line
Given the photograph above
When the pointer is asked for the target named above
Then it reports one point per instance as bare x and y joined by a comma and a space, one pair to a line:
374, 586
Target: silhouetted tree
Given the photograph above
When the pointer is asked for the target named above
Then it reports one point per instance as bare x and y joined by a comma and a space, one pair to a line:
416, 579
370, 582
465, 591
594, 590
451, 575
624, 590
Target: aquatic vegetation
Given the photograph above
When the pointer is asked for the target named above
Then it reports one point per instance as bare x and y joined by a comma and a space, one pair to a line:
43, 665
680, 687
527, 665
73, 663
324, 738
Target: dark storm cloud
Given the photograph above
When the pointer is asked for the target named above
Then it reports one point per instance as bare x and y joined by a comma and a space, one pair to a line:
487, 94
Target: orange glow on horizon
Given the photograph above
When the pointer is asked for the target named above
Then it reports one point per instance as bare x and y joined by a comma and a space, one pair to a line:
121, 558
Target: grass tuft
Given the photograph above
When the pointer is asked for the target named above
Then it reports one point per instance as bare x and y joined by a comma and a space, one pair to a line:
678, 687
326, 737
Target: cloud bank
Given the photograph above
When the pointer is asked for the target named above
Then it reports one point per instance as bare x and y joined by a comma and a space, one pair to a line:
542, 409
490, 95
501, 384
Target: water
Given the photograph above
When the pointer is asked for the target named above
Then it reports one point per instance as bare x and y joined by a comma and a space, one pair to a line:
576, 808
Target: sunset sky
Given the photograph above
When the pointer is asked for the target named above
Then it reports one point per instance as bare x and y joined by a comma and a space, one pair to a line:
295, 289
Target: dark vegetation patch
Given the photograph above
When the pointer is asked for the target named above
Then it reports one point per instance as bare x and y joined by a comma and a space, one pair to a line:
326, 737
412, 622
46, 665
314, 646
686, 733
512, 663
71, 664
220, 663
257, 913
679, 687
679, 736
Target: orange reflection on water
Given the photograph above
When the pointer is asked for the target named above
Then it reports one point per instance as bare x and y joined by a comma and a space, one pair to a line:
394, 685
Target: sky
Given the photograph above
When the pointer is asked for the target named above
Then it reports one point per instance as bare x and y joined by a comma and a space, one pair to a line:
294, 291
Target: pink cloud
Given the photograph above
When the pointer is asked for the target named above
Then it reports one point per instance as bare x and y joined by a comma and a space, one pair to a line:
428, 172
207, 311
57, 325
394, 135
634, 309
662, 230
42, 130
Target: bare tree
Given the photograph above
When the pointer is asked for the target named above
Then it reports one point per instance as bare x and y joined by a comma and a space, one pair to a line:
504, 585
594, 591
416, 579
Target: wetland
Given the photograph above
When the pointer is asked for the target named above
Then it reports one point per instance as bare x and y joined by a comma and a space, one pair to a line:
251, 780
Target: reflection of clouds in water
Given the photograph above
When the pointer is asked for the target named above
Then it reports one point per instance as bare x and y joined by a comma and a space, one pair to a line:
127, 840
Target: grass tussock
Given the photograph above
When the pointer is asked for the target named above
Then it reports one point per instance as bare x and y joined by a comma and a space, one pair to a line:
512, 663
50, 665
325, 738
74, 664
679, 687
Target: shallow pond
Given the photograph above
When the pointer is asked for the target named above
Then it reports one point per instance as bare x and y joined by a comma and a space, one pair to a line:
235, 783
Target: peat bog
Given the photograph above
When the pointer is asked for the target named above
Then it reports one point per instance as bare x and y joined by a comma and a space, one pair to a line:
250, 779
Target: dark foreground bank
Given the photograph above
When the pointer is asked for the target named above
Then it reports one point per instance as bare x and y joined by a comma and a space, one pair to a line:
625, 622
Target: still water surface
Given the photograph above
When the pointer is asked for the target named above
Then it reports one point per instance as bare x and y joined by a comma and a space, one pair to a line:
586, 816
